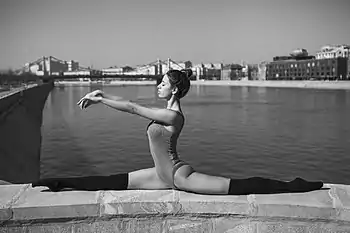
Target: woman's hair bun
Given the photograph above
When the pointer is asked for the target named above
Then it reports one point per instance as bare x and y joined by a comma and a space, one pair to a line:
188, 72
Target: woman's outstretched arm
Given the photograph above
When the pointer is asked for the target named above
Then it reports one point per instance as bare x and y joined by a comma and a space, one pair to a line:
165, 116
112, 97
161, 115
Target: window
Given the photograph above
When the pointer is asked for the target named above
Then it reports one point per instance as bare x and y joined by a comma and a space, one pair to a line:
296, 65
313, 64
291, 65
308, 64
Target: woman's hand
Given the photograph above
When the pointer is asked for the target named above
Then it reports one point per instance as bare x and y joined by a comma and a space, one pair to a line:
90, 98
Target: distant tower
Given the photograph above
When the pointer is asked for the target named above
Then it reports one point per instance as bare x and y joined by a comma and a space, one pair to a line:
159, 68
198, 72
169, 66
44, 66
49, 66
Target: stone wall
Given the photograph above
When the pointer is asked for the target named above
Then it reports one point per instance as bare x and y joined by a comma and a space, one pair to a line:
27, 209
20, 133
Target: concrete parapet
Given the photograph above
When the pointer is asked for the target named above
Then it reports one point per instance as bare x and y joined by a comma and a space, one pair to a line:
20, 133
27, 209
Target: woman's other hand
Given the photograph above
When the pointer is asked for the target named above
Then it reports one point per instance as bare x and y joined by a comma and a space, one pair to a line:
90, 98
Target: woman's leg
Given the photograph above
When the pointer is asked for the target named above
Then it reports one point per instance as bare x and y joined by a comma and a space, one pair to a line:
146, 179
88, 183
185, 178
141, 179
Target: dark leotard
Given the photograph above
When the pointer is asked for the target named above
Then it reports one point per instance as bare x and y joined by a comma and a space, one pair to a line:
162, 144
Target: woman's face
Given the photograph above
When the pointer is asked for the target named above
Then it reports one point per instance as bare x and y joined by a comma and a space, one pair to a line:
165, 90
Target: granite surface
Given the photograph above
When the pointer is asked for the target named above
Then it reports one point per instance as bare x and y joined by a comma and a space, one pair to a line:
27, 209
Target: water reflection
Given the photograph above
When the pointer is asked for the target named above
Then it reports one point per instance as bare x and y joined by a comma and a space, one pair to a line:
71, 102
244, 93
261, 92
341, 98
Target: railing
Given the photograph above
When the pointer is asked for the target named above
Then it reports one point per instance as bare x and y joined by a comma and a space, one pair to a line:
11, 83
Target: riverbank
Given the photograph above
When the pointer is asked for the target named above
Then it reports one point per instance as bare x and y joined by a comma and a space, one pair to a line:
342, 85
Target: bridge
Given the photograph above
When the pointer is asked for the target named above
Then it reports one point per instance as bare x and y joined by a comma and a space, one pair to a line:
54, 68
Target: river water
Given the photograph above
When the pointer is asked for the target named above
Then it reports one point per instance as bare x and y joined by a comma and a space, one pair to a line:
230, 131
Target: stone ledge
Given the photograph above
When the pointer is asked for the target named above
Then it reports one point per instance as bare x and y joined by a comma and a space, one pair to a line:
23, 205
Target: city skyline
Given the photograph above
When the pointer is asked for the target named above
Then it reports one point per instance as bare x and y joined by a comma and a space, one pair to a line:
109, 33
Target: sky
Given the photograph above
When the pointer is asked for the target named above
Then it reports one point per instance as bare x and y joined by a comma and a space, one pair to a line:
104, 33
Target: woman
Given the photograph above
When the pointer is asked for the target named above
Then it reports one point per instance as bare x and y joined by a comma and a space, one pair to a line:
169, 171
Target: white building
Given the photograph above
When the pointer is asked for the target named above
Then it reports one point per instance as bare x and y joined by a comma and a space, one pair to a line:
143, 70
333, 51
72, 65
112, 71
207, 70
50, 66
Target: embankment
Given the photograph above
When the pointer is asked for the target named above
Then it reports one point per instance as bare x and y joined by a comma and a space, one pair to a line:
340, 85
20, 133
27, 209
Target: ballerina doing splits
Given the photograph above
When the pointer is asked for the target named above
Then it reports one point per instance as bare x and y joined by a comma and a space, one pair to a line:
169, 171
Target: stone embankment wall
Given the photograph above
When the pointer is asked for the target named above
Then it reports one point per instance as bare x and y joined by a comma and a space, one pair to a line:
20, 133
27, 209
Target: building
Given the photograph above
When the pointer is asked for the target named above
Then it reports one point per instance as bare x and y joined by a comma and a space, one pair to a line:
116, 70
209, 71
253, 72
308, 69
333, 51
231, 72
348, 75
143, 70
72, 65
46, 66
262, 70
50, 66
